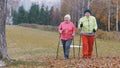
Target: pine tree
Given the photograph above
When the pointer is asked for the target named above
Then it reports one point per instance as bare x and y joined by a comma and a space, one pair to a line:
34, 14
42, 15
15, 18
22, 15
47, 16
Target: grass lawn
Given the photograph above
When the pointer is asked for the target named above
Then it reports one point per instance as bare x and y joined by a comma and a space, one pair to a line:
35, 47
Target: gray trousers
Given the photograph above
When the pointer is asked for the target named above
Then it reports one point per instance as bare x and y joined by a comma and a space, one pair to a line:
66, 47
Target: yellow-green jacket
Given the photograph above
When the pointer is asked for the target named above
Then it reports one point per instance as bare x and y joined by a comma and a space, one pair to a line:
88, 24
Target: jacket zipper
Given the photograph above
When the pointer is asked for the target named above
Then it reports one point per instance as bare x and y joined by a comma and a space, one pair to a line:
88, 25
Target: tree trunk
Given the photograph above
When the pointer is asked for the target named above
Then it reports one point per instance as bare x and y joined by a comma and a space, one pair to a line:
83, 6
117, 29
89, 3
3, 16
109, 15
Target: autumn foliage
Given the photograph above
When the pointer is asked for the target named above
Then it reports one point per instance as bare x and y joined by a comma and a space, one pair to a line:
100, 9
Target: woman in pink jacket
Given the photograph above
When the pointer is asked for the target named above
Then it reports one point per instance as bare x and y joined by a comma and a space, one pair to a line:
67, 30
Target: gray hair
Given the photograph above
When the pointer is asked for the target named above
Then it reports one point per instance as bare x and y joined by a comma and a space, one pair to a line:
67, 17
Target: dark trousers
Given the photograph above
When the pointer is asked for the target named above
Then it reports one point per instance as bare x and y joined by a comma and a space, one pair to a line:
66, 47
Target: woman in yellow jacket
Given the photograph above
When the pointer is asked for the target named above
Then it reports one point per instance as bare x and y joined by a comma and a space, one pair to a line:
88, 26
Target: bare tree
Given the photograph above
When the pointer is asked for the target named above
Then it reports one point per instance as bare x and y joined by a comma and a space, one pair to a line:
72, 7
83, 4
3, 16
89, 3
117, 9
109, 15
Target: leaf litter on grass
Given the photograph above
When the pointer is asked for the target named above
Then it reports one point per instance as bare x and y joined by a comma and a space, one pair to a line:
37, 45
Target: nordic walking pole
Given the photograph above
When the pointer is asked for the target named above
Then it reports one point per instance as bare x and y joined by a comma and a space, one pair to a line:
96, 47
58, 46
79, 47
79, 43
73, 48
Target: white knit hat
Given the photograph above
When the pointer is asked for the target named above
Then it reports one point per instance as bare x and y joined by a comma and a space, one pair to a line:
67, 17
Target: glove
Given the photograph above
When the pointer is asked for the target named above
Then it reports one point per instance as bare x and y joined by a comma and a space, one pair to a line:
60, 31
94, 30
81, 25
73, 34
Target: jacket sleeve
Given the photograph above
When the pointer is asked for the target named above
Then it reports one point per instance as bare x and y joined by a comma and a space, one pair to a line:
95, 24
74, 29
59, 27
79, 23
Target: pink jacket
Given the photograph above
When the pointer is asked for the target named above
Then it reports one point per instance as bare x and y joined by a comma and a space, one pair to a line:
68, 29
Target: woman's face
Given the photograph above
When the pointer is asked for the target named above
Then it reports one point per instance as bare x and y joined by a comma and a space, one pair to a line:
87, 14
66, 19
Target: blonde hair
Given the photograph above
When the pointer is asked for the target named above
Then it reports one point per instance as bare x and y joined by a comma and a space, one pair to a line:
67, 17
